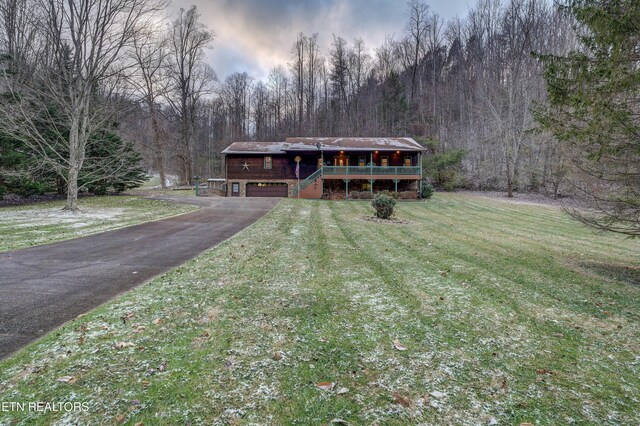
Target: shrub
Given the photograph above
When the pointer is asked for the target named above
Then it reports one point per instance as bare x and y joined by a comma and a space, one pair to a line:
391, 194
366, 195
3, 190
427, 189
407, 195
449, 186
28, 188
384, 206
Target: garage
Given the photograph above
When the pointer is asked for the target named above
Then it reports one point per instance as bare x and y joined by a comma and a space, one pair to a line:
267, 190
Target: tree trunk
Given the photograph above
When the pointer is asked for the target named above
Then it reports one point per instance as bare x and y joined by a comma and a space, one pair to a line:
76, 157
72, 189
158, 147
509, 180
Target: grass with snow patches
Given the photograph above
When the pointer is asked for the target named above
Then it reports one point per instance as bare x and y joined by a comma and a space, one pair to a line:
44, 223
504, 310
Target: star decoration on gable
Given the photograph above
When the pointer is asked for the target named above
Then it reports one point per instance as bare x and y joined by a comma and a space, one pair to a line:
245, 166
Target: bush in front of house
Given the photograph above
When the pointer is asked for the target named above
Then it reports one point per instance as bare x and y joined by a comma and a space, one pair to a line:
427, 189
407, 195
366, 195
384, 205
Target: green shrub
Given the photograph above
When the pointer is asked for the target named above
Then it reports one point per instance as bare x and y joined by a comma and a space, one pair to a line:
3, 190
427, 189
449, 186
28, 188
391, 194
384, 205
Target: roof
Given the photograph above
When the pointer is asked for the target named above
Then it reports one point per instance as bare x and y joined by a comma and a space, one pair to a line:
254, 148
324, 144
352, 144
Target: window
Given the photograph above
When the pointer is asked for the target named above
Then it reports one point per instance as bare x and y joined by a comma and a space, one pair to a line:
407, 161
362, 161
235, 189
384, 161
267, 162
340, 161
320, 162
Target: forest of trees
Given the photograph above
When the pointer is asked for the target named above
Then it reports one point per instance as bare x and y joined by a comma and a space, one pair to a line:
473, 90
466, 86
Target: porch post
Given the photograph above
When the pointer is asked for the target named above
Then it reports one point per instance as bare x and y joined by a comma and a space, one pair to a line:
371, 170
420, 183
396, 182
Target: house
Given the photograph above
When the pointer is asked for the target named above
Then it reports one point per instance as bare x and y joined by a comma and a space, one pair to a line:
326, 167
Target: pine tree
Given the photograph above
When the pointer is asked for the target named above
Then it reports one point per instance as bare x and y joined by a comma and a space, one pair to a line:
594, 105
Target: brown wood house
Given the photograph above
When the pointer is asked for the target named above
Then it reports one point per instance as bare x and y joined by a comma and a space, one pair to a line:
323, 167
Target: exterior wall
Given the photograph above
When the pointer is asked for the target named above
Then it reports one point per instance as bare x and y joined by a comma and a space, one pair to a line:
314, 190
283, 166
291, 183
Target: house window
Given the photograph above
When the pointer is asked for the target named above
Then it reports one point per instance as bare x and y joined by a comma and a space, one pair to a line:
341, 161
407, 161
267, 162
362, 161
384, 161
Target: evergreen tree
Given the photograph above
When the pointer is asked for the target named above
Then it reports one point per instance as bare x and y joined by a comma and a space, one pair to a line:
594, 105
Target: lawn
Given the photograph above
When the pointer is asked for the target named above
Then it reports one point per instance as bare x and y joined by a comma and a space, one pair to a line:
44, 223
478, 311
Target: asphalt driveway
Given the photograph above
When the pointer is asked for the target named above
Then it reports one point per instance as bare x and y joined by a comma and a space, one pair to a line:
43, 287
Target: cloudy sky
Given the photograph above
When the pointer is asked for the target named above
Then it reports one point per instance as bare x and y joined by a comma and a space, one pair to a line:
256, 35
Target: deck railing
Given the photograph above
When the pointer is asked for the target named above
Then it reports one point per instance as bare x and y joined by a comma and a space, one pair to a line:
371, 170
356, 170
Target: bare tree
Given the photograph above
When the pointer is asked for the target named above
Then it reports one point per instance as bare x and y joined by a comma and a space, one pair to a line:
77, 69
150, 54
417, 30
191, 80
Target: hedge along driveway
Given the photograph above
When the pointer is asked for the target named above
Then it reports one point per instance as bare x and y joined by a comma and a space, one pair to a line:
506, 311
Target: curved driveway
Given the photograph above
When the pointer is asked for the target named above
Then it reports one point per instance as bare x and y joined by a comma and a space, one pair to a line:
43, 287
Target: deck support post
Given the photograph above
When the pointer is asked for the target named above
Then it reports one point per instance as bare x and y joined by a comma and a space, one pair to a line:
396, 183
346, 181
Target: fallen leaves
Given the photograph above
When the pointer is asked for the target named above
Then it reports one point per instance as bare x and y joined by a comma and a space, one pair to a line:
123, 345
399, 346
325, 386
399, 399
342, 391
67, 379
277, 356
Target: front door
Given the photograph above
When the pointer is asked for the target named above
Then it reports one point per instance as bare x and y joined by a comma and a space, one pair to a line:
235, 189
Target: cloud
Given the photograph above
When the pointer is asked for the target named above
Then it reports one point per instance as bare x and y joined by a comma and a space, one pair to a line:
256, 35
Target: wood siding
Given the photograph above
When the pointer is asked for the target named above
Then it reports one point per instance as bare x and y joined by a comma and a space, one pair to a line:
283, 166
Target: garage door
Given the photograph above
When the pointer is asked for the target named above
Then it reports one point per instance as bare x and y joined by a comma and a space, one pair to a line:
267, 190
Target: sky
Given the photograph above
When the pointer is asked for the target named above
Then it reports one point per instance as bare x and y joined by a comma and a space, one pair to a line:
256, 35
